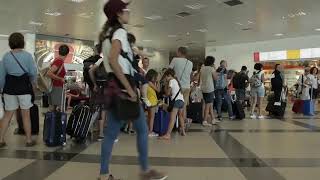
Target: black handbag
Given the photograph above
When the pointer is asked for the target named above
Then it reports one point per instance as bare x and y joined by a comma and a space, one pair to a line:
172, 101
18, 85
117, 100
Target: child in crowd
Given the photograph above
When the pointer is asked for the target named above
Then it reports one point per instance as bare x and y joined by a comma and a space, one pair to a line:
153, 88
173, 89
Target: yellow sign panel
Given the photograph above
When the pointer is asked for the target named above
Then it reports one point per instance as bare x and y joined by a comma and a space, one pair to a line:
293, 54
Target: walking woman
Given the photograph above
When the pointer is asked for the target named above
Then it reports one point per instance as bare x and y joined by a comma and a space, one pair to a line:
112, 40
207, 77
17, 78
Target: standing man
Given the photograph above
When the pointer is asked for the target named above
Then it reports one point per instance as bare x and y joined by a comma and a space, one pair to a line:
145, 66
183, 69
221, 90
240, 83
57, 73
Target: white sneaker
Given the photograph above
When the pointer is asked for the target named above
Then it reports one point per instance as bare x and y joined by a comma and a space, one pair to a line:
205, 123
260, 117
153, 134
117, 140
253, 116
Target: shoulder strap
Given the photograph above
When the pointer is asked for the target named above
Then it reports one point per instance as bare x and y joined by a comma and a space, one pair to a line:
60, 69
183, 69
14, 57
175, 97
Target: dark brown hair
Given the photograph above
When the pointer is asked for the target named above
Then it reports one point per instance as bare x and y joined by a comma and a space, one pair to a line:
183, 50
151, 75
16, 41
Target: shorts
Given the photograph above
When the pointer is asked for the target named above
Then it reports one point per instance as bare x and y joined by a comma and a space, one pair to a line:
241, 94
55, 96
186, 95
13, 102
208, 97
178, 104
258, 92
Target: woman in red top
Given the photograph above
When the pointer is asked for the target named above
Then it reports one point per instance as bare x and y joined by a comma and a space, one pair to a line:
57, 73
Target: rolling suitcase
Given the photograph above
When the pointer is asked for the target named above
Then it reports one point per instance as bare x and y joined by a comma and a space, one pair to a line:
80, 122
308, 107
34, 117
54, 128
297, 106
194, 112
161, 122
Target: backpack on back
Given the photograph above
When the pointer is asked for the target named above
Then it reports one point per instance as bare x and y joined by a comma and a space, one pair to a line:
236, 81
256, 80
86, 67
220, 83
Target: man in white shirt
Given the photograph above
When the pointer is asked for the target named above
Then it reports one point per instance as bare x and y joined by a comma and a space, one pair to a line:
145, 65
183, 69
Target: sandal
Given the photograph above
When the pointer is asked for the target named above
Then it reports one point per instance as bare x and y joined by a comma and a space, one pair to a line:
30, 144
164, 137
182, 132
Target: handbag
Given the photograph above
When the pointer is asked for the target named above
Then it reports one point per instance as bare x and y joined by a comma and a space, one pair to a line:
18, 85
116, 99
44, 82
172, 101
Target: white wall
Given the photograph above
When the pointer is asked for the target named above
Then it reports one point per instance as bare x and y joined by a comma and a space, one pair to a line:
159, 60
3, 46
238, 55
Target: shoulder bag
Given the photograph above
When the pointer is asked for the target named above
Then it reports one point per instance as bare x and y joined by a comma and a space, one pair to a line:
18, 85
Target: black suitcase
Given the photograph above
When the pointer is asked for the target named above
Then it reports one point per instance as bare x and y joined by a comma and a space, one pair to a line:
80, 122
34, 117
275, 110
238, 110
194, 112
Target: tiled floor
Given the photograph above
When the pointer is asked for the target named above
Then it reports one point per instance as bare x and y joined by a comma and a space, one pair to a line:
268, 149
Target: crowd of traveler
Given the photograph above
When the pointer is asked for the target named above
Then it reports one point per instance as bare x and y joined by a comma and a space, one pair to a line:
215, 88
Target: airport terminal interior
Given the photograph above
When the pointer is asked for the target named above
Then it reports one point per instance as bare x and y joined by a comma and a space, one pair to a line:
265, 55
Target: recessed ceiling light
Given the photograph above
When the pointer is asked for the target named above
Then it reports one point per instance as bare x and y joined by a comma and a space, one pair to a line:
240, 24
188, 34
202, 30
147, 40
35, 23
24, 31
318, 29
279, 34
195, 6
86, 15
250, 22
294, 15
52, 13
4, 35
77, 1
172, 36
154, 17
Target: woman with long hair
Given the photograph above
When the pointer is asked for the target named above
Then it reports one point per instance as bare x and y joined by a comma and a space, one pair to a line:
112, 41
173, 89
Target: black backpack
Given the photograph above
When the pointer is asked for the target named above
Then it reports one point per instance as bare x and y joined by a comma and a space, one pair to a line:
86, 67
236, 81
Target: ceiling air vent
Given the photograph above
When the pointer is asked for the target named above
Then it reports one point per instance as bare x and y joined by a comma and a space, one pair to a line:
183, 14
246, 29
233, 2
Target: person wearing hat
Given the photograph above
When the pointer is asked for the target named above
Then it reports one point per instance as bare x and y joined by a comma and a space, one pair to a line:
112, 40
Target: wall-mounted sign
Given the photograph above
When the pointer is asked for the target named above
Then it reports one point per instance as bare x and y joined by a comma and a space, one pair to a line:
287, 55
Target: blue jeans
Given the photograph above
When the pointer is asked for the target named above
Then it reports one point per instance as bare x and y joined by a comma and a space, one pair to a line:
220, 93
111, 133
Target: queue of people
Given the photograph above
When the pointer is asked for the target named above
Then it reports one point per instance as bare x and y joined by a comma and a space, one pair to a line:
140, 88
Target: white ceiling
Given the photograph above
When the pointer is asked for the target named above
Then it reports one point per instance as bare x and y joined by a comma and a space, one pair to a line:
219, 19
